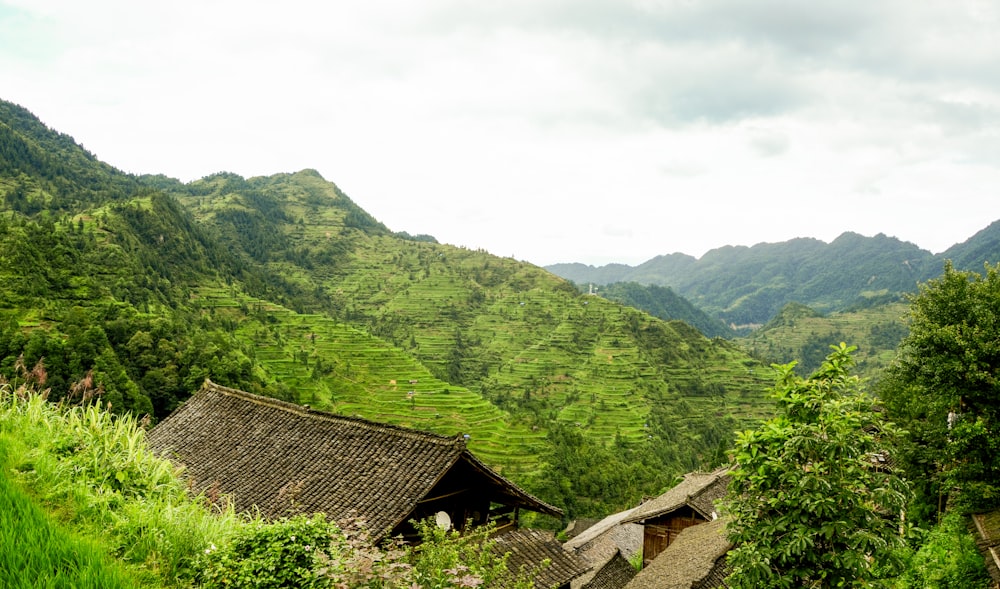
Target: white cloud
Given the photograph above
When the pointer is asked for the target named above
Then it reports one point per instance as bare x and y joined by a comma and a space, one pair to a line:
592, 130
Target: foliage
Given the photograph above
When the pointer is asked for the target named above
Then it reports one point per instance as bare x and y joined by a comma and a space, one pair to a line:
663, 302
94, 469
747, 286
809, 508
944, 389
264, 555
37, 552
800, 333
310, 552
947, 559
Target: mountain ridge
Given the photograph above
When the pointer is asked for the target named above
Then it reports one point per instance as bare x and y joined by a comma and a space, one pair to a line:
748, 285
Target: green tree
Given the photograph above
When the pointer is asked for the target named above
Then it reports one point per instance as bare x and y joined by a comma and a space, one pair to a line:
808, 507
944, 390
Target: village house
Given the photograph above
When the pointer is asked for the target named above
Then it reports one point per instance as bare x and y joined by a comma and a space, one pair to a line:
690, 503
285, 459
695, 559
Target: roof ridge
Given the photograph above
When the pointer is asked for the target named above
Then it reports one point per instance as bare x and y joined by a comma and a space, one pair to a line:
457, 440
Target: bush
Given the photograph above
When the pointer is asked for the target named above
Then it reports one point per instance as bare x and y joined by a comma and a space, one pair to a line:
95, 471
310, 552
947, 559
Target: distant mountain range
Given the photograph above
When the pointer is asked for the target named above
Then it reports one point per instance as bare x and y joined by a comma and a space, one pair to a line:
747, 286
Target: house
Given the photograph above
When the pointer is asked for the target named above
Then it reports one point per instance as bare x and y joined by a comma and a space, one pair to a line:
690, 503
987, 528
605, 546
696, 559
284, 459
613, 574
527, 548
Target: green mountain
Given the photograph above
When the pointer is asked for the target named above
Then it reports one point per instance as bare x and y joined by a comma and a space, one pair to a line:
747, 286
801, 334
284, 286
663, 302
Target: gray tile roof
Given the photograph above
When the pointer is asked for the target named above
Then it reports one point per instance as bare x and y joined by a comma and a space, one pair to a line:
282, 459
987, 527
528, 548
698, 490
693, 561
615, 574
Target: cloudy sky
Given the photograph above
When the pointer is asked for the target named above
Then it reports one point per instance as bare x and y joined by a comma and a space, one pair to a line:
549, 130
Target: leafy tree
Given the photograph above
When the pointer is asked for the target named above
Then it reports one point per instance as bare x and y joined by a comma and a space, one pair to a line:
809, 508
944, 389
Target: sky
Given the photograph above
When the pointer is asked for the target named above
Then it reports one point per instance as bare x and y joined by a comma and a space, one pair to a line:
591, 131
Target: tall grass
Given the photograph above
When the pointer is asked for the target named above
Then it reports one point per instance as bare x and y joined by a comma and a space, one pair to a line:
35, 552
95, 470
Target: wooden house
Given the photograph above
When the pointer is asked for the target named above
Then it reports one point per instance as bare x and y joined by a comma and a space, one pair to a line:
606, 545
285, 459
696, 559
690, 503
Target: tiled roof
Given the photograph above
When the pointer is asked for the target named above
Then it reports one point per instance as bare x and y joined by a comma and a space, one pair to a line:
600, 528
602, 555
615, 574
528, 548
283, 458
695, 557
697, 490
987, 526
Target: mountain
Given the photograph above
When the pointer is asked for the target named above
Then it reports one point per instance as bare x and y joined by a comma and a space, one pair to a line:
663, 302
747, 286
284, 286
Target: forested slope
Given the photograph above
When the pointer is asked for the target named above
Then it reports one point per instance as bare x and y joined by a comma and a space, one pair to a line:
747, 286
284, 286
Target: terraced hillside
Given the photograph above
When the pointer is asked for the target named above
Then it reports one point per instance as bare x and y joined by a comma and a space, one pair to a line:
335, 367
145, 286
472, 324
804, 335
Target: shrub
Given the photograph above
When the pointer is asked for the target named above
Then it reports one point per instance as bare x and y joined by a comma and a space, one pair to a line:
947, 559
310, 552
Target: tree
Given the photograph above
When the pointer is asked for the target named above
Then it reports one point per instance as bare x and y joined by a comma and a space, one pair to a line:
808, 506
944, 390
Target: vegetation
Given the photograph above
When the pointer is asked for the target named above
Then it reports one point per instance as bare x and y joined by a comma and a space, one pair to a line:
810, 506
37, 552
748, 286
309, 552
944, 389
801, 334
93, 471
662, 302
284, 286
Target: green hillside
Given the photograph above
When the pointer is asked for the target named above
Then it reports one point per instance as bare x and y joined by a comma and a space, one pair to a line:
284, 286
508, 332
801, 334
747, 286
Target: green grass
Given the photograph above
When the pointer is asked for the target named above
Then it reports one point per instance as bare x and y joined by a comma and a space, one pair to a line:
92, 472
37, 552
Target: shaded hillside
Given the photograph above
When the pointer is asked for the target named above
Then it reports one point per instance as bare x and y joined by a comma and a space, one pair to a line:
798, 333
663, 302
747, 286
284, 286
